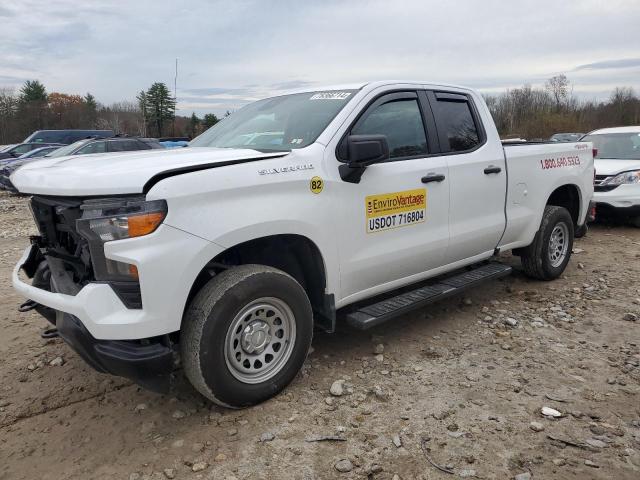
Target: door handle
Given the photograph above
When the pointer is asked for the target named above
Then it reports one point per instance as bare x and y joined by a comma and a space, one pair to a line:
492, 169
433, 177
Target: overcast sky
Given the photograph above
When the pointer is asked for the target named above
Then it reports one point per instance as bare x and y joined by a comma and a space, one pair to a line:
231, 52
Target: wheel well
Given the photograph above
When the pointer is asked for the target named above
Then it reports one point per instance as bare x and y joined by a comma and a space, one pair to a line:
567, 196
294, 254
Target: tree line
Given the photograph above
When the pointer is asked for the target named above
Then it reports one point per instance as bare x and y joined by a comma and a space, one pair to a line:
527, 112
152, 114
538, 113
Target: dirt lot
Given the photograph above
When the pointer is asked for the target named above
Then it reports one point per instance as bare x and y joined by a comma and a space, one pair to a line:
461, 384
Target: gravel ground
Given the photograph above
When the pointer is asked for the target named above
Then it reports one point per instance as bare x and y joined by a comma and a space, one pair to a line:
459, 386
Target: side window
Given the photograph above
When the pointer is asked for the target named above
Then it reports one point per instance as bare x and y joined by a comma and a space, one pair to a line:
19, 150
456, 127
124, 145
94, 147
401, 122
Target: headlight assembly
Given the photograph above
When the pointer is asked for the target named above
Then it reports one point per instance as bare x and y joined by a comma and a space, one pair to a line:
107, 220
623, 178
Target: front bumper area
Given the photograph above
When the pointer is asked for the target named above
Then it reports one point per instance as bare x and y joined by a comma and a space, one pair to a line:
611, 211
148, 363
623, 197
168, 262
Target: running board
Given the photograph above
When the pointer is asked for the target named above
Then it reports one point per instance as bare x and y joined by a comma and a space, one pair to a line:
376, 313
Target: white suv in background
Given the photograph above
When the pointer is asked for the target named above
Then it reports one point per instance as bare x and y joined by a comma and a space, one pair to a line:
617, 164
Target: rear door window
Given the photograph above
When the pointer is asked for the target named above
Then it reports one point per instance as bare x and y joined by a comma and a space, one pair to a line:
457, 127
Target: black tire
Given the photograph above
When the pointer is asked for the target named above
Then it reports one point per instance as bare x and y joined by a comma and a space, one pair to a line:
581, 231
207, 323
535, 258
635, 221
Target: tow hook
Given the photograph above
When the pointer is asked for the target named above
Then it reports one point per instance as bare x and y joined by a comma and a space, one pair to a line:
27, 306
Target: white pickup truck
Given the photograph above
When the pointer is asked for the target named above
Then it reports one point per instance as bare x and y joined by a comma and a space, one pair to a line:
357, 202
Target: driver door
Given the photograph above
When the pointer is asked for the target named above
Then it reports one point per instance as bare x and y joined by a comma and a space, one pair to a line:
396, 224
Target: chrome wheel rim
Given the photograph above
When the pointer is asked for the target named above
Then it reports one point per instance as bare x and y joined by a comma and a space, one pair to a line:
558, 244
260, 340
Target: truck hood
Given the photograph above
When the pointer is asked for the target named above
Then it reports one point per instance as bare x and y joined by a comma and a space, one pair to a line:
121, 173
613, 167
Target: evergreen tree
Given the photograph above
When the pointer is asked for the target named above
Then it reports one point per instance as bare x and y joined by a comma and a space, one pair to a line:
33, 91
193, 125
160, 106
209, 120
33, 105
91, 108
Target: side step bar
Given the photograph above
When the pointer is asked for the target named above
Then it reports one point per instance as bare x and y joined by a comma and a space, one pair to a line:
368, 316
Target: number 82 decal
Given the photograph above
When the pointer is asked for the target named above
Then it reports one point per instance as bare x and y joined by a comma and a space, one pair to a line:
316, 185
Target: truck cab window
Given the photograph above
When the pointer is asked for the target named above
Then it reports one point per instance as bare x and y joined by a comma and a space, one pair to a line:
401, 122
457, 129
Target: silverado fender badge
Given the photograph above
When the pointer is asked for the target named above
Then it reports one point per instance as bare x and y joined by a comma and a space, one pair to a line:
287, 169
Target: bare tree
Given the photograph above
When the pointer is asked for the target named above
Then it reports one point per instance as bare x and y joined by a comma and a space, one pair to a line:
560, 89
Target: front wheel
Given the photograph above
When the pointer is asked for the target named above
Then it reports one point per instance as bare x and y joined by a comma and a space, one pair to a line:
246, 335
548, 255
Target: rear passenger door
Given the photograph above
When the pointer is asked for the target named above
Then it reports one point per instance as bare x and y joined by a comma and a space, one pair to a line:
477, 176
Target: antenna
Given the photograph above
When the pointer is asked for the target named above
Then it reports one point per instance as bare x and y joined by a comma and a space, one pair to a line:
175, 98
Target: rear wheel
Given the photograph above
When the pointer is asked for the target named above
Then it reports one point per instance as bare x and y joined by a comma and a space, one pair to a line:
635, 221
548, 255
246, 335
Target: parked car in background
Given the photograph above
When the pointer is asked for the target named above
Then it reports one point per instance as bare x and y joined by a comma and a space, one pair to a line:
174, 139
8, 166
81, 147
617, 164
566, 137
21, 148
39, 152
66, 137
174, 144
106, 145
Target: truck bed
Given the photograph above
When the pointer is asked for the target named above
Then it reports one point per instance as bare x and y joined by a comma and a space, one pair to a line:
535, 171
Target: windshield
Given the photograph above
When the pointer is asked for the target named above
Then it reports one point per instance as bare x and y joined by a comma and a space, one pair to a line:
566, 137
619, 146
278, 123
67, 149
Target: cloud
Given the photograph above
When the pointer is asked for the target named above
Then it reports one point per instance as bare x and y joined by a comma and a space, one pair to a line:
6, 13
234, 52
608, 64
215, 91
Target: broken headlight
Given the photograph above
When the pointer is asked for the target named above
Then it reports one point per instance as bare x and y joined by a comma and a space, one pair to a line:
106, 220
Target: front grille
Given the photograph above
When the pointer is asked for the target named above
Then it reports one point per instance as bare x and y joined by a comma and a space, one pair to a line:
597, 184
56, 219
65, 249
599, 179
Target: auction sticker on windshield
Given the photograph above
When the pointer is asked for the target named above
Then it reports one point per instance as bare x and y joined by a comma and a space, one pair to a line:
393, 210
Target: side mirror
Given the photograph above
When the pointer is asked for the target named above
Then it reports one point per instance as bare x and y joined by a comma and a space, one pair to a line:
362, 151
